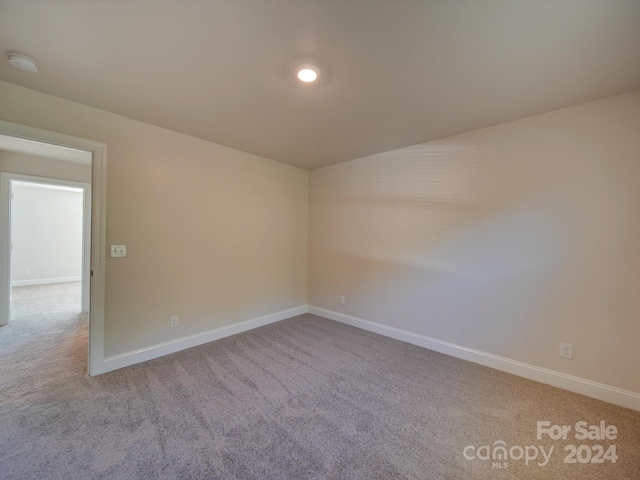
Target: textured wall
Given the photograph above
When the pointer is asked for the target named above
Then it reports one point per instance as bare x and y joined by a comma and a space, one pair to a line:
508, 240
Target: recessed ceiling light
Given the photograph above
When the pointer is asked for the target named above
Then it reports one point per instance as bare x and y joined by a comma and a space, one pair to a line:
22, 62
308, 73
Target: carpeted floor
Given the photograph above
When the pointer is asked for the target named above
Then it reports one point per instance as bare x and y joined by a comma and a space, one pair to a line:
303, 398
42, 299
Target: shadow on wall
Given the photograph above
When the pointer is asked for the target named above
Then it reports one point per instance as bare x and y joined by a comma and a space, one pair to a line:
481, 245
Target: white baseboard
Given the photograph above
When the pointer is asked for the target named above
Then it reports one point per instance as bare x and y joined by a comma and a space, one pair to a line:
149, 353
606, 393
44, 281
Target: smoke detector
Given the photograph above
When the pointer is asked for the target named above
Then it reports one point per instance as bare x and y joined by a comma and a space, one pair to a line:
22, 62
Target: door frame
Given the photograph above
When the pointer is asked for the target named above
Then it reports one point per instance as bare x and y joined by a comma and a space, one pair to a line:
98, 250
6, 200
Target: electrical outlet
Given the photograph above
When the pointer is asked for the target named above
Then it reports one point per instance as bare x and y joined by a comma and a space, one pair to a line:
118, 251
566, 350
174, 321
341, 299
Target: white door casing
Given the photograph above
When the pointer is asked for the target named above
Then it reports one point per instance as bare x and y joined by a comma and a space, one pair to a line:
5, 211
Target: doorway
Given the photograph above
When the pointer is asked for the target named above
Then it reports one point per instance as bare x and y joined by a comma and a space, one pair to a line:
84, 278
50, 241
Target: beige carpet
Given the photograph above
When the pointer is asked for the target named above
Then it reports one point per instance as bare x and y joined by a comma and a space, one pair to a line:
302, 398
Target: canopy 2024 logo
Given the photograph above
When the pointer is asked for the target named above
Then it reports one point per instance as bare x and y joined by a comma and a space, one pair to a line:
499, 453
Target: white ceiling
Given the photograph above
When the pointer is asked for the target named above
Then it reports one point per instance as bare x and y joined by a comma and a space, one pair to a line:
394, 73
46, 150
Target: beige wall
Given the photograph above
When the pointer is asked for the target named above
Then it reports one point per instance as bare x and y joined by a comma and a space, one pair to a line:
213, 235
13, 162
508, 240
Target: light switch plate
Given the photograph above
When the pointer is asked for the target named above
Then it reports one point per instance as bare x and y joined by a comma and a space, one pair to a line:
118, 251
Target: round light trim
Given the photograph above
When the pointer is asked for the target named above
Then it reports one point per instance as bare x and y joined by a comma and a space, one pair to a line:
308, 73
23, 62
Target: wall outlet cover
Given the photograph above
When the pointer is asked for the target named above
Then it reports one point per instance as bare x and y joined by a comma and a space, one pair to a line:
566, 350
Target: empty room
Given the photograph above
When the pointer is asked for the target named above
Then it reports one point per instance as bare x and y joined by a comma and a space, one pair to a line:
314, 239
